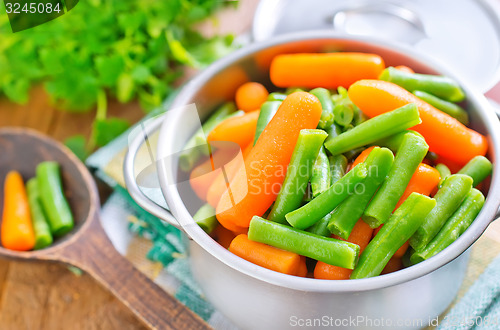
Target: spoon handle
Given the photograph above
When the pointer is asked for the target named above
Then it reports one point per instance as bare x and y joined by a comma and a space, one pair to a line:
94, 253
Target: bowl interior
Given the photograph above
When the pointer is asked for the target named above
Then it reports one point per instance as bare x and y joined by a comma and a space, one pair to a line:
23, 150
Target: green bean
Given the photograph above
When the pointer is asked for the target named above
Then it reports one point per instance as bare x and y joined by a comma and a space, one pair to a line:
291, 90
449, 108
478, 168
325, 99
321, 227
448, 199
267, 112
52, 197
309, 214
393, 142
444, 172
275, 96
358, 117
343, 110
193, 149
398, 229
375, 129
344, 217
43, 237
298, 173
440, 86
333, 131
325, 249
411, 152
338, 167
205, 218
321, 177
454, 226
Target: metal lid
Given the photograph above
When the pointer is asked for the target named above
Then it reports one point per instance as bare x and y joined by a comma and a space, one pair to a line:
463, 34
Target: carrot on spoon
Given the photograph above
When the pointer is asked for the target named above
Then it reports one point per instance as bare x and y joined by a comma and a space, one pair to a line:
445, 135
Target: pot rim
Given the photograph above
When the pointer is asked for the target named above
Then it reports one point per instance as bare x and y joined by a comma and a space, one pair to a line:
168, 169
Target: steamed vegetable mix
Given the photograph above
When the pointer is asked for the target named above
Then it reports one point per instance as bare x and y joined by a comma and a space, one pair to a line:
324, 70
17, 228
267, 112
345, 216
43, 236
196, 145
445, 135
254, 185
339, 181
448, 198
53, 199
454, 226
411, 152
298, 173
374, 129
450, 108
478, 168
329, 250
398, 229
440, 86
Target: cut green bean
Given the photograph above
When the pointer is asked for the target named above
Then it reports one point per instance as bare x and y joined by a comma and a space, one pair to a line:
358, 117
315, 210
375, 129
193, 149
449, 108
448, 199
344, 217
328, 250
298, 173
275, 96
267, 112
205, 218
454, 227
393, 142
54, 202
333, 131
321, 177
478, 168
440, 86
338, 167
411, 152
398, 229
43, 237
325, 99
343, 110
321, 227
444, 172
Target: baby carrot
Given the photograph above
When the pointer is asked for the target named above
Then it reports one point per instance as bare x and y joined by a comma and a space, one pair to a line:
393, 265
223, 236
17, 228
302, 270
423, 181
360, 235
265, 256
240, 130
257, 183
445, 135
329, 70
250, 96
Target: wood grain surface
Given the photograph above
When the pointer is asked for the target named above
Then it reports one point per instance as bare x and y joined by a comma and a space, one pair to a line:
49, 296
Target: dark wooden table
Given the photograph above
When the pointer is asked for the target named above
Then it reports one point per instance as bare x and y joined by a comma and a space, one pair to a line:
49, 296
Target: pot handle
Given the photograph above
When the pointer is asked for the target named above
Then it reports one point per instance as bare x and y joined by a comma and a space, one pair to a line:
129, 175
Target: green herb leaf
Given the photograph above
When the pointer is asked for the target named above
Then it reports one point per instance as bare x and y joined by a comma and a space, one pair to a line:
77, 144
108, 129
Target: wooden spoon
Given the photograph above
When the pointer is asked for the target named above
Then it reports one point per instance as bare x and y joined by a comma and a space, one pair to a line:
87, 246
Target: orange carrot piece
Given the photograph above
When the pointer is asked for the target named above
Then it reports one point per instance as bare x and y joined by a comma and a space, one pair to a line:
362, 156
257, 183
328, 70
223, 236
219, 186
361, 235
404, 68
239, 129
423, 181
250, 96
17, 228
265, 256
302, 269
393, 265
203, 175
445, 135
